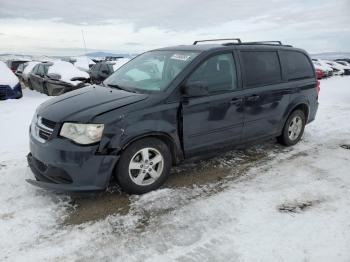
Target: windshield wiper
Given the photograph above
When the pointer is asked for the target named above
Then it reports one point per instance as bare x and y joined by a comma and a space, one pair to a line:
121, 88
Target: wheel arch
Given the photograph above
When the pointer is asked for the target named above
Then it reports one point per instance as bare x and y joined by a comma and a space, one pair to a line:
176, 152
302, 105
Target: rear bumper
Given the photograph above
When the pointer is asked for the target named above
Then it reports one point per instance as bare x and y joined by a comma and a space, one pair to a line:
60, 165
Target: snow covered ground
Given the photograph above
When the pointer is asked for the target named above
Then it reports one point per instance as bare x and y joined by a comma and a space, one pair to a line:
274, 203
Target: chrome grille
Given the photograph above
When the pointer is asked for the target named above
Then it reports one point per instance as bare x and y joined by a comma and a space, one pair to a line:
42, 128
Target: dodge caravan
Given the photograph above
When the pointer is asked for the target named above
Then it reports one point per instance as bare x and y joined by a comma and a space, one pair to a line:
168, 105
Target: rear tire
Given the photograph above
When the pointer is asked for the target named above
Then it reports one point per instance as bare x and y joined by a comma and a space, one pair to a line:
144, 166
293, 129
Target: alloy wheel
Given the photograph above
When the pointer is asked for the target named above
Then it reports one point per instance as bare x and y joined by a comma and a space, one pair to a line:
146, 166
295, 128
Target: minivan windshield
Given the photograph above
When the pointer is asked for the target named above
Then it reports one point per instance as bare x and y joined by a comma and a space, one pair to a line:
151, 71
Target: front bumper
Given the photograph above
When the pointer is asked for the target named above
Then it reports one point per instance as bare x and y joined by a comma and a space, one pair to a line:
60, 165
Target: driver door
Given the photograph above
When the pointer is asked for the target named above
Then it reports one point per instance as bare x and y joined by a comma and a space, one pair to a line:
216, 119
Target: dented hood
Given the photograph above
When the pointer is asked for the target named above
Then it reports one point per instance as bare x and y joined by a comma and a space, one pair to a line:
84, 104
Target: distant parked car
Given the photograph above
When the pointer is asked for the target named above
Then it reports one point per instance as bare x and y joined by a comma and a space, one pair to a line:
9, 84
19, 73
102, 70
343, 59
28, 67
14, 64
346, 66
323, 66
338, 69
55, 78
319, 73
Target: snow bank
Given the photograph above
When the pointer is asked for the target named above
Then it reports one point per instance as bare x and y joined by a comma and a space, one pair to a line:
83, 62
67, 71
120, 62
235, 219
7, 77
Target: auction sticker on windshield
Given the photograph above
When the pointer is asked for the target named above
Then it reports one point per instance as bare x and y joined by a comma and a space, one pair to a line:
180, 57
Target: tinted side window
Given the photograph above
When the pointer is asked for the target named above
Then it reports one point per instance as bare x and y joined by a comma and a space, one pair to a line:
93, 68
104, 67
35, 69
96, 67
261, 68
217, 72
40, 70
297, 65
110, 68
46, 69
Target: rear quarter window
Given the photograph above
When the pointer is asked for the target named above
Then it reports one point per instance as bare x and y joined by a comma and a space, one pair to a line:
297, 65
261, 68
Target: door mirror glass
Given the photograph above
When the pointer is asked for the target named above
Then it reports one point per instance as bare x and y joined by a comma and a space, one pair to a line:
195, 89
54, 76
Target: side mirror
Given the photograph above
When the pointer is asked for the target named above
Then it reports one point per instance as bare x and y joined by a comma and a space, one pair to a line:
54, 76
195, 89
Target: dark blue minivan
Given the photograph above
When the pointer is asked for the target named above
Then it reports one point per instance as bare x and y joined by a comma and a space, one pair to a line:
168, 105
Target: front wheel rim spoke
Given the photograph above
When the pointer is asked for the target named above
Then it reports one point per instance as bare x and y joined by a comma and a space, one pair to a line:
134, 165
140, 177
145, 154
146, 166
153, 173
156, 159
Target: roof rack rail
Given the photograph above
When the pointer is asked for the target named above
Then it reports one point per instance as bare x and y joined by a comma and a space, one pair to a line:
212, 40
265, 42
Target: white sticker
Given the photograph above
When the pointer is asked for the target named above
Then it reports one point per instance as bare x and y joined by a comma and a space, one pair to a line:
180, 57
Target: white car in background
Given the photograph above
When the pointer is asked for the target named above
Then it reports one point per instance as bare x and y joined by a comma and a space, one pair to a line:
346, 66
323, 66
338, 69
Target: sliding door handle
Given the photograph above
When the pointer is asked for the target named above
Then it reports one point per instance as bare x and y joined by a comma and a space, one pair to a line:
236, 100
253, 98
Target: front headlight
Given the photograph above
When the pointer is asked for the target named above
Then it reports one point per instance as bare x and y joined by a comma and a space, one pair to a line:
82, 133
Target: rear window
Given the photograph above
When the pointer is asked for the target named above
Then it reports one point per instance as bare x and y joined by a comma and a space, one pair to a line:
261, 68
297, 65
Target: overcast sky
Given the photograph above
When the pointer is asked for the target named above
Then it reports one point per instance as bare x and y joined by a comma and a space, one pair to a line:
54, 27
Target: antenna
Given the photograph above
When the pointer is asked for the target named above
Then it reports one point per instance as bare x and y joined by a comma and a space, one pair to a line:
82, 33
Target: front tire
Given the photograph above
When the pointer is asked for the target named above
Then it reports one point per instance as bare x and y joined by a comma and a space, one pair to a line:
293, 129
144, 166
